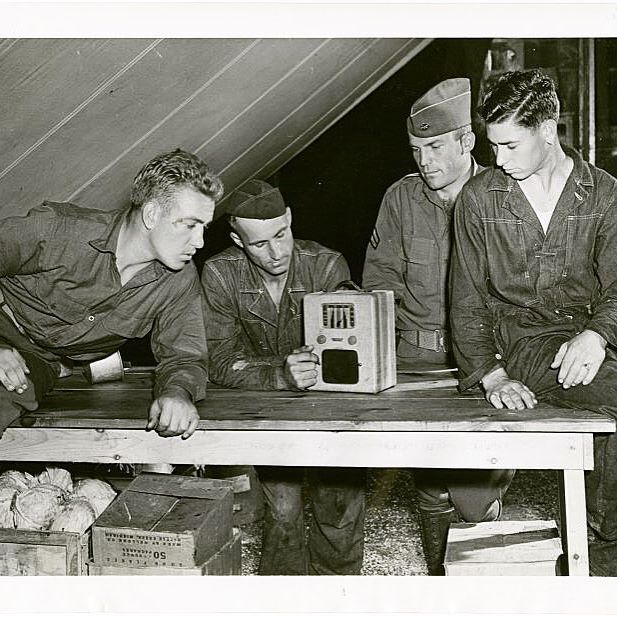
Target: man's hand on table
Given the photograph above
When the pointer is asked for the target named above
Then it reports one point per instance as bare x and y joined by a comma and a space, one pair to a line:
172, 415
579, 359
300, 368
13, 370
501, 391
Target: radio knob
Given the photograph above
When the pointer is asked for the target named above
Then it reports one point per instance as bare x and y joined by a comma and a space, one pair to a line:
321, 339
352, 340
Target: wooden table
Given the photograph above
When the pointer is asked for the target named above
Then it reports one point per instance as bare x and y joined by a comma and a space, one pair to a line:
401, 427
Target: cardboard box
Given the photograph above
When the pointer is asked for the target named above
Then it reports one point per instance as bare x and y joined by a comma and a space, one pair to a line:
43, 553
163, 520
503, 548
226, 562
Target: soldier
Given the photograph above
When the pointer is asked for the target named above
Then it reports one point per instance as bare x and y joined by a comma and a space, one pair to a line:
254, 294
409, 252
76, 283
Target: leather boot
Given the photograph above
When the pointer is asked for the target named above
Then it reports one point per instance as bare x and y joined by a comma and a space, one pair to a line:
434, 530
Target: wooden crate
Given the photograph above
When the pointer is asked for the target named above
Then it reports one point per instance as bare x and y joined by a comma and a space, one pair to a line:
503, 548
161, 520
226, 562
43, 553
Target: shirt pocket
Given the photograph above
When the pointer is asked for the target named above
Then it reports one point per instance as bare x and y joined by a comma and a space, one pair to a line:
59, 304
420, 260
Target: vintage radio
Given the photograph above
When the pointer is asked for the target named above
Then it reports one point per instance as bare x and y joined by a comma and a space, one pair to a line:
352, 333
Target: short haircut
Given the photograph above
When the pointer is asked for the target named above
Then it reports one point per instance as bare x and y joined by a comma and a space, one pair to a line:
526, 97
161, 177
463, 130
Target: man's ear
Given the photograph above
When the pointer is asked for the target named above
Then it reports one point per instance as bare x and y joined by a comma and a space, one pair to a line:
468, 141
288, 215
549, 131
236, 239
150, 214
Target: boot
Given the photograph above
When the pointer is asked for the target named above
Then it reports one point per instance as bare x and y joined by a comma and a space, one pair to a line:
434, 530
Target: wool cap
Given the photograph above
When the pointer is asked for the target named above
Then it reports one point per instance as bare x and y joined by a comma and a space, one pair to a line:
255, 199
444, 108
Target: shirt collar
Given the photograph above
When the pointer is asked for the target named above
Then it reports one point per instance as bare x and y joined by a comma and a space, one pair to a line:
108, 241
500, 181
432, 195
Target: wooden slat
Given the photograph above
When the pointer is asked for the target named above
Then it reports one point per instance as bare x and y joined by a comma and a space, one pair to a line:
388, 411
353, 448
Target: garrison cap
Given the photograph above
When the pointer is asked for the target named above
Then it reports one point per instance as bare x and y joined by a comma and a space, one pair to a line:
444, 108
255, 199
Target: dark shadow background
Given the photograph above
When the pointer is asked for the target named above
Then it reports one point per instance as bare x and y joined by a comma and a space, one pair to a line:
334, 187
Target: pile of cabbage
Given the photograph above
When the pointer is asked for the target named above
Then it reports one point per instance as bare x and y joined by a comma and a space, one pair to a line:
51, 501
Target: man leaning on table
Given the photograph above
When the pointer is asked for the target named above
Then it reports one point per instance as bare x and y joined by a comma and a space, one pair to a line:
254, 294
409, 252
534, 279
76, 283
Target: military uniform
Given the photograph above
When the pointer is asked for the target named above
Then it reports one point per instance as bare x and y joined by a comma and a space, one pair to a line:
409, 252
249, 339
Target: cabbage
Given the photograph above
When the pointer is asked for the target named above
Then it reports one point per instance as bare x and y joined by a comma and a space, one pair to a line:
77, 516
21, 481
57, 476
7, 518
100, 494
36, 507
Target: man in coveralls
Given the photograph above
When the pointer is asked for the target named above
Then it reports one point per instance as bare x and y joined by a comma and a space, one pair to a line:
534, 278
254, 294
409, 252
76, 283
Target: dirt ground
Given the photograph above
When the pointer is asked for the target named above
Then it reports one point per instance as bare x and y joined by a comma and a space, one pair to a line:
392, 540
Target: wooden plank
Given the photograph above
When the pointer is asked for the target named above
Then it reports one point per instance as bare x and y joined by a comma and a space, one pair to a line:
236, 409
43, 553
310, 448
574, 521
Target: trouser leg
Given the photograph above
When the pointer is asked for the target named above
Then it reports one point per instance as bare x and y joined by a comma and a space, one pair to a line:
445, 495
283, 545
336, 540
532, 366
40, 380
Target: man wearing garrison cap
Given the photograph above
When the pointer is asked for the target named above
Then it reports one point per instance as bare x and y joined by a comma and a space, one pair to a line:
254, 294
409, 252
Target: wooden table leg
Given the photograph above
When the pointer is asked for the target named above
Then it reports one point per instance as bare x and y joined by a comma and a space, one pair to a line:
574, 521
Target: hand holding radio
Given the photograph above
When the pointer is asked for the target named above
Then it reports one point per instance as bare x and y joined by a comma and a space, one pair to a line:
300, 367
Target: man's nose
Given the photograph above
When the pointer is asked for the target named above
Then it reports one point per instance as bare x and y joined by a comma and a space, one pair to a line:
500, 157
198, 238
275, 251
423, 158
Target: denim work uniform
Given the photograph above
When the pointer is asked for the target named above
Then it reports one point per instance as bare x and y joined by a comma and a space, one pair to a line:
409, 252
248, 340
59, 279
518, 294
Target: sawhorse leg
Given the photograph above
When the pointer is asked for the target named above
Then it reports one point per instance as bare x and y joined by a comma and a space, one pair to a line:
574, 521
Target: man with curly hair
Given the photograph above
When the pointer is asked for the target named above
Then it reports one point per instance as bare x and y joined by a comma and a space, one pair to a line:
76, 283
534, 276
